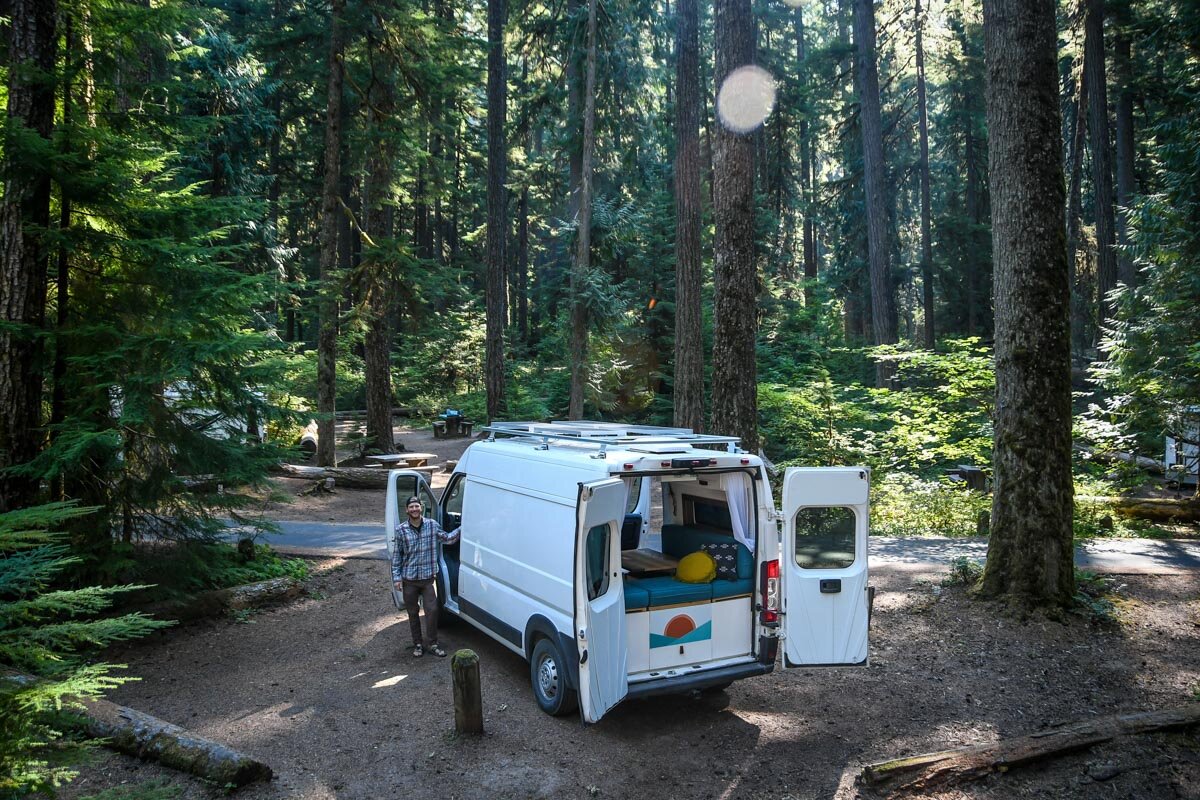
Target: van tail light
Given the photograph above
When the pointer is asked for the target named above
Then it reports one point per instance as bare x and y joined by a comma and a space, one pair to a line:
769, 614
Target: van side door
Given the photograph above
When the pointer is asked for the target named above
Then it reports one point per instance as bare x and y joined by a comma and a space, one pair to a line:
403, 484
826, 599
600, 598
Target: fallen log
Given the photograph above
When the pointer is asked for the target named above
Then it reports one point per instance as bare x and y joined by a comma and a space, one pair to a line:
352, 477
1155, 509
952, 767
141, 735
308, 439
146, 737
236, 598
1151, 465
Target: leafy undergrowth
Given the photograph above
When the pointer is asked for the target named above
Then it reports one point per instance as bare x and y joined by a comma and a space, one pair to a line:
180, 569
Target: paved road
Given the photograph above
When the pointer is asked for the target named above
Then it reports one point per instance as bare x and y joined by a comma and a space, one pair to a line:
1161, 556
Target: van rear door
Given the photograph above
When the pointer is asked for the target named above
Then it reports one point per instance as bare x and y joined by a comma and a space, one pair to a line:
600, 598
825, 595
403, 484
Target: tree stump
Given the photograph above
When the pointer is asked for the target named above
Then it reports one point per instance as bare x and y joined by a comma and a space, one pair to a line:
468, 701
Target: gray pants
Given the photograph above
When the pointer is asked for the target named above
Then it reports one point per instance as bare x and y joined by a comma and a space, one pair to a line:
424, 590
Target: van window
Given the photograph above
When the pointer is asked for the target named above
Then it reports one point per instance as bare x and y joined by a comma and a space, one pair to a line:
597, 561
453, 504
825, 537
706, 513
634, 487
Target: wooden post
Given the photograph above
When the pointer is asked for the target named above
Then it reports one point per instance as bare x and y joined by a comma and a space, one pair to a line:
468, 702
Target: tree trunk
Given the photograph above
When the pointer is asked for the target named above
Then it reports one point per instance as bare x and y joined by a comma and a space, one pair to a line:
807, 167
377, 271
926, 233
1102, 182
497, 213
975, 215
1075, 208
689, 340
579, 315
24, 257
330, 223
1029, 560
735, 278
1126, 183
62, 292
883, 301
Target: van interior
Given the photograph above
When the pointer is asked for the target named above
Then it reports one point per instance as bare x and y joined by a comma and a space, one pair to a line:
671, 622
685, 516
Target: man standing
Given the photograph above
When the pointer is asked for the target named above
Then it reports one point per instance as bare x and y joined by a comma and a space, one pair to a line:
414, 562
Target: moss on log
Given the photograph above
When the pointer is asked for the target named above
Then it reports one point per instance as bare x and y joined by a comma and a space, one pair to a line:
236, 598
150, 738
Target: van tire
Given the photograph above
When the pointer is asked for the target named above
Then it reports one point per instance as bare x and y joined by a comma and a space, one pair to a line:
548, 676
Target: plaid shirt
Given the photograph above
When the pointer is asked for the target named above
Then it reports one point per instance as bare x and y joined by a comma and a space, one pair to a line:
414, 557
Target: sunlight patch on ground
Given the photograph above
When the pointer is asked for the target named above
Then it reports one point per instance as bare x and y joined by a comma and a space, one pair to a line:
325, 565
386, 682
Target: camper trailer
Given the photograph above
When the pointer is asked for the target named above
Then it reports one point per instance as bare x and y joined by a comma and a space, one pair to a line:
559, 561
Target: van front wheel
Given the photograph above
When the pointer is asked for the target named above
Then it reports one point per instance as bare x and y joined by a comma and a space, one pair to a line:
548, 675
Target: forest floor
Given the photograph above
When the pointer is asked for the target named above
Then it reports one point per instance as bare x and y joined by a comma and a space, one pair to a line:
324, 691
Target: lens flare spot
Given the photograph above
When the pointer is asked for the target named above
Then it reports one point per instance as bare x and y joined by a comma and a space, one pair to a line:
746, 99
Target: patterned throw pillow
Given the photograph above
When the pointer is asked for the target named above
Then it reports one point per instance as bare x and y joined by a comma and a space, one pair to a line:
726, 556
697, 567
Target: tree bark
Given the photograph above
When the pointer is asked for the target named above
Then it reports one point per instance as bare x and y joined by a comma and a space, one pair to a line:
926, 225
1075, 207
1126, 182
883, 301
330, 222
138, 734
582, 265
1029, 560
1102, 182
807, 167
24, 257
735, 278
353, 477
376, 272
689, 340
497, 213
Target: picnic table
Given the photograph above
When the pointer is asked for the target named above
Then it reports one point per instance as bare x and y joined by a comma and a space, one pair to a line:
408, 459
451, 423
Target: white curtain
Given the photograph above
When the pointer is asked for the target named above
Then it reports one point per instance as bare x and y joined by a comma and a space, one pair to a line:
737, 495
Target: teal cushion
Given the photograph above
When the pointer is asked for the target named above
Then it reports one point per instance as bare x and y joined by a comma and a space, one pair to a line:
679, 540
723, 589
636, 598
666, 591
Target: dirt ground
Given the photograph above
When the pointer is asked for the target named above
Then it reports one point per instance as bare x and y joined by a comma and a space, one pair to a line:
325, 692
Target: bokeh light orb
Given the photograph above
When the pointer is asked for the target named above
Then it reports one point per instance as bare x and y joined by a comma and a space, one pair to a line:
746, 98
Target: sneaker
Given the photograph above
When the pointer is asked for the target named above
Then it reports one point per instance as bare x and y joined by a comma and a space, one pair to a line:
418, 651
437, 650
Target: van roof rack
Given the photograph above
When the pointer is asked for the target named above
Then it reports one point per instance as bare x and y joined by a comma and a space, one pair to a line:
604, 434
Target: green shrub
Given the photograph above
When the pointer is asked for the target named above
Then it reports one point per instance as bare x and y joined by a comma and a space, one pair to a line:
904, 505
47, 632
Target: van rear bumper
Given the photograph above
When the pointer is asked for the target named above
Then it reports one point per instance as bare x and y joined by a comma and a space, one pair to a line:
698, 680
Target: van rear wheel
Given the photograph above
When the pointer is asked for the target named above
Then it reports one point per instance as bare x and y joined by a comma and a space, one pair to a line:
548, 675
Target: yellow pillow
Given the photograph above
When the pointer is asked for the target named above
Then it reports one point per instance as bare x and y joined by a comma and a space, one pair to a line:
697, 567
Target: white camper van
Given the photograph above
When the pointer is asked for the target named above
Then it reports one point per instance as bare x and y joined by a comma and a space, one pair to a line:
558, 561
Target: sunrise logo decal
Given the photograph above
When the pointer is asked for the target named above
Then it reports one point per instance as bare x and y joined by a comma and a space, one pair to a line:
681, 629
